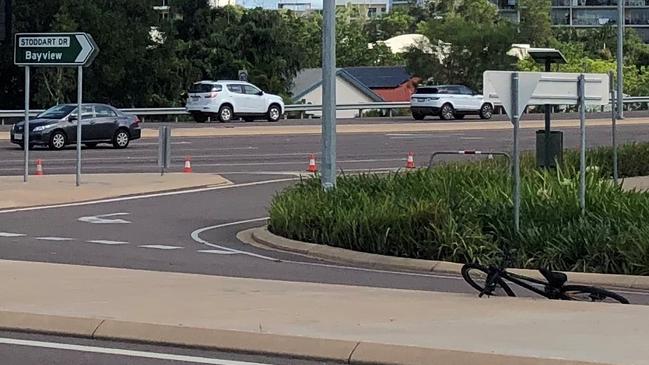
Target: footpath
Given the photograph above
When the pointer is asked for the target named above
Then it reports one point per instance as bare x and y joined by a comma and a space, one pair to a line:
59, 189
356, 325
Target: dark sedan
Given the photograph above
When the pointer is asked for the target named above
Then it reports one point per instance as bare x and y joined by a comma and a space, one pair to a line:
100, 123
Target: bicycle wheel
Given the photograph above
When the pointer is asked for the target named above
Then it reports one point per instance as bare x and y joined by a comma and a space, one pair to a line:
591, 294
476, 276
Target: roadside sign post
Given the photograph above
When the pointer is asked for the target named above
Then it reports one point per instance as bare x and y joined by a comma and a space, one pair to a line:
515, 90
581, 94
164, 149
26, 129
54, 50
614, 125
515, 117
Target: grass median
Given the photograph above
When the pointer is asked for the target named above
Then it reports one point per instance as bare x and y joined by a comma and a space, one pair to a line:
463, 213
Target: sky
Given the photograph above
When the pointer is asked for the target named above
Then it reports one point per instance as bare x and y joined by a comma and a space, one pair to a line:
272, 4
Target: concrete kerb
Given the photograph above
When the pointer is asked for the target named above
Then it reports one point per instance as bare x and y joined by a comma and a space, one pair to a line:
263, 237
342, 351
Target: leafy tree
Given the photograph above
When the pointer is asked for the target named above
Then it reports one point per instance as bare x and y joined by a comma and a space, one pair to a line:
389, 25
535, 27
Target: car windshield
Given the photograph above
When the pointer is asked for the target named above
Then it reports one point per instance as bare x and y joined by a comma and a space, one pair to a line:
427, 90
57, 112
201, 88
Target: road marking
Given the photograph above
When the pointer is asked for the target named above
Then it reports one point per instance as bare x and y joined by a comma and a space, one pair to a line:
101, 219
217, 252
8, 234
471, 138
147, 196
54, 238
161, 247
122, 352
196, 237
105, 242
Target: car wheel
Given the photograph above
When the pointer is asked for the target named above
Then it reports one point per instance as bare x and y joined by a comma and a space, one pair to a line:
58, 140
91, 144
447, 112
274, 113
199, 117
418, 116
486, 111
121, 139
225, 113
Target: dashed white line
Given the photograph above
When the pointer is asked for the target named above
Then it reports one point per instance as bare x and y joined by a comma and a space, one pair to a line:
123, 352
107, 242
9, 234
54, 238
161, 247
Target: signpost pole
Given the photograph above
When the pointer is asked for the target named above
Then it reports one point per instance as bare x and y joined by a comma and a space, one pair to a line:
582, 147
329, 96
515, 117
79, 121
620, 59
546, 158
26, 129
611, 80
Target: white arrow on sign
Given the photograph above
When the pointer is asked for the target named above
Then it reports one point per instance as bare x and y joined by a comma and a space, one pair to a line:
86, 48
101, 219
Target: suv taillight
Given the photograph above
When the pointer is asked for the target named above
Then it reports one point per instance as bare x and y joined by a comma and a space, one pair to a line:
211, 95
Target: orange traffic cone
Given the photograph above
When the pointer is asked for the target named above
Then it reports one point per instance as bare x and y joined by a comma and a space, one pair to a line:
312, 165
188, 165
39, 168
410, 163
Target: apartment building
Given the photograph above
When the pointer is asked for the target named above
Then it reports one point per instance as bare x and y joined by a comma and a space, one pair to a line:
298, 6
589, 13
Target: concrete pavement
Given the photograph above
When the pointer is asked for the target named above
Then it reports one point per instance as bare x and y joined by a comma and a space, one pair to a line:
317, 321
58, 189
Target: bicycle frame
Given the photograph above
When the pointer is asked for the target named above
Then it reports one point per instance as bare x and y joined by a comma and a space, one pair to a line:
523, 281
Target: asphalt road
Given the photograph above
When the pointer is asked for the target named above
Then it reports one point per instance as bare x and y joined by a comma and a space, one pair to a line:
192, 233
31, 349
272, 154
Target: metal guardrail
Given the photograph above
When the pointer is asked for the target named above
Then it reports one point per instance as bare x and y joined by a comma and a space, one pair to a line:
489, 154
299, 108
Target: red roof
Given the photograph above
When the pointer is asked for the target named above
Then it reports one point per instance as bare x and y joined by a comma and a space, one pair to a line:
401, 93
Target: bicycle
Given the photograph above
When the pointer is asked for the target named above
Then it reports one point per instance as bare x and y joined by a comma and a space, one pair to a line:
492, 282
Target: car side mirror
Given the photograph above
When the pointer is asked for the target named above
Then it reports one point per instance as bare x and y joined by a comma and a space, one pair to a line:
260, 93
72, 118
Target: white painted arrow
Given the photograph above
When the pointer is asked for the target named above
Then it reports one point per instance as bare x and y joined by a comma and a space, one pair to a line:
101, 219
86, 48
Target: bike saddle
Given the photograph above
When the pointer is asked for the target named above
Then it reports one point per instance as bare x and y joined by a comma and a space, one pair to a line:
556, 279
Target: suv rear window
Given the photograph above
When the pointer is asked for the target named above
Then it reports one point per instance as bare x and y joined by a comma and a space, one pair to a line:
427, 90
204, 88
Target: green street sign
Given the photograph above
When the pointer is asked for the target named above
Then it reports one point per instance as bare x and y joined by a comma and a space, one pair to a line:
54, 49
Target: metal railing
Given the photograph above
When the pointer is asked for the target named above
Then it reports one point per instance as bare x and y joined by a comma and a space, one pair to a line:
292, 108
489, 155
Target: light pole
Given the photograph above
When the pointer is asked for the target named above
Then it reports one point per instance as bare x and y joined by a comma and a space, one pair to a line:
329, 95
620, 59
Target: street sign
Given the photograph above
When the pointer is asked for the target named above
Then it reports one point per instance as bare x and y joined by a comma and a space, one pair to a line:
54, 49
544, 88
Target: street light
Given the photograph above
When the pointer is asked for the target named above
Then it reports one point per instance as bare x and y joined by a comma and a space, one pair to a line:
546, 56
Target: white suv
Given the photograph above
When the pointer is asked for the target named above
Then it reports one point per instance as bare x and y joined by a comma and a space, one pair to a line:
448, 102
227, 100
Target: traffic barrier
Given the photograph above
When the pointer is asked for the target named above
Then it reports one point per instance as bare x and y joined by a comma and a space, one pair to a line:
489, 155
188, 165
312, 166
410, 162
39, 167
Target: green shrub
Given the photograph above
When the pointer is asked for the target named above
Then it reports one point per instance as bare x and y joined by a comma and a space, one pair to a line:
463, 213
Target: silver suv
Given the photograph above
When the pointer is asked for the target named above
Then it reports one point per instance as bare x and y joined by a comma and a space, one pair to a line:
449, 102
227, 100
